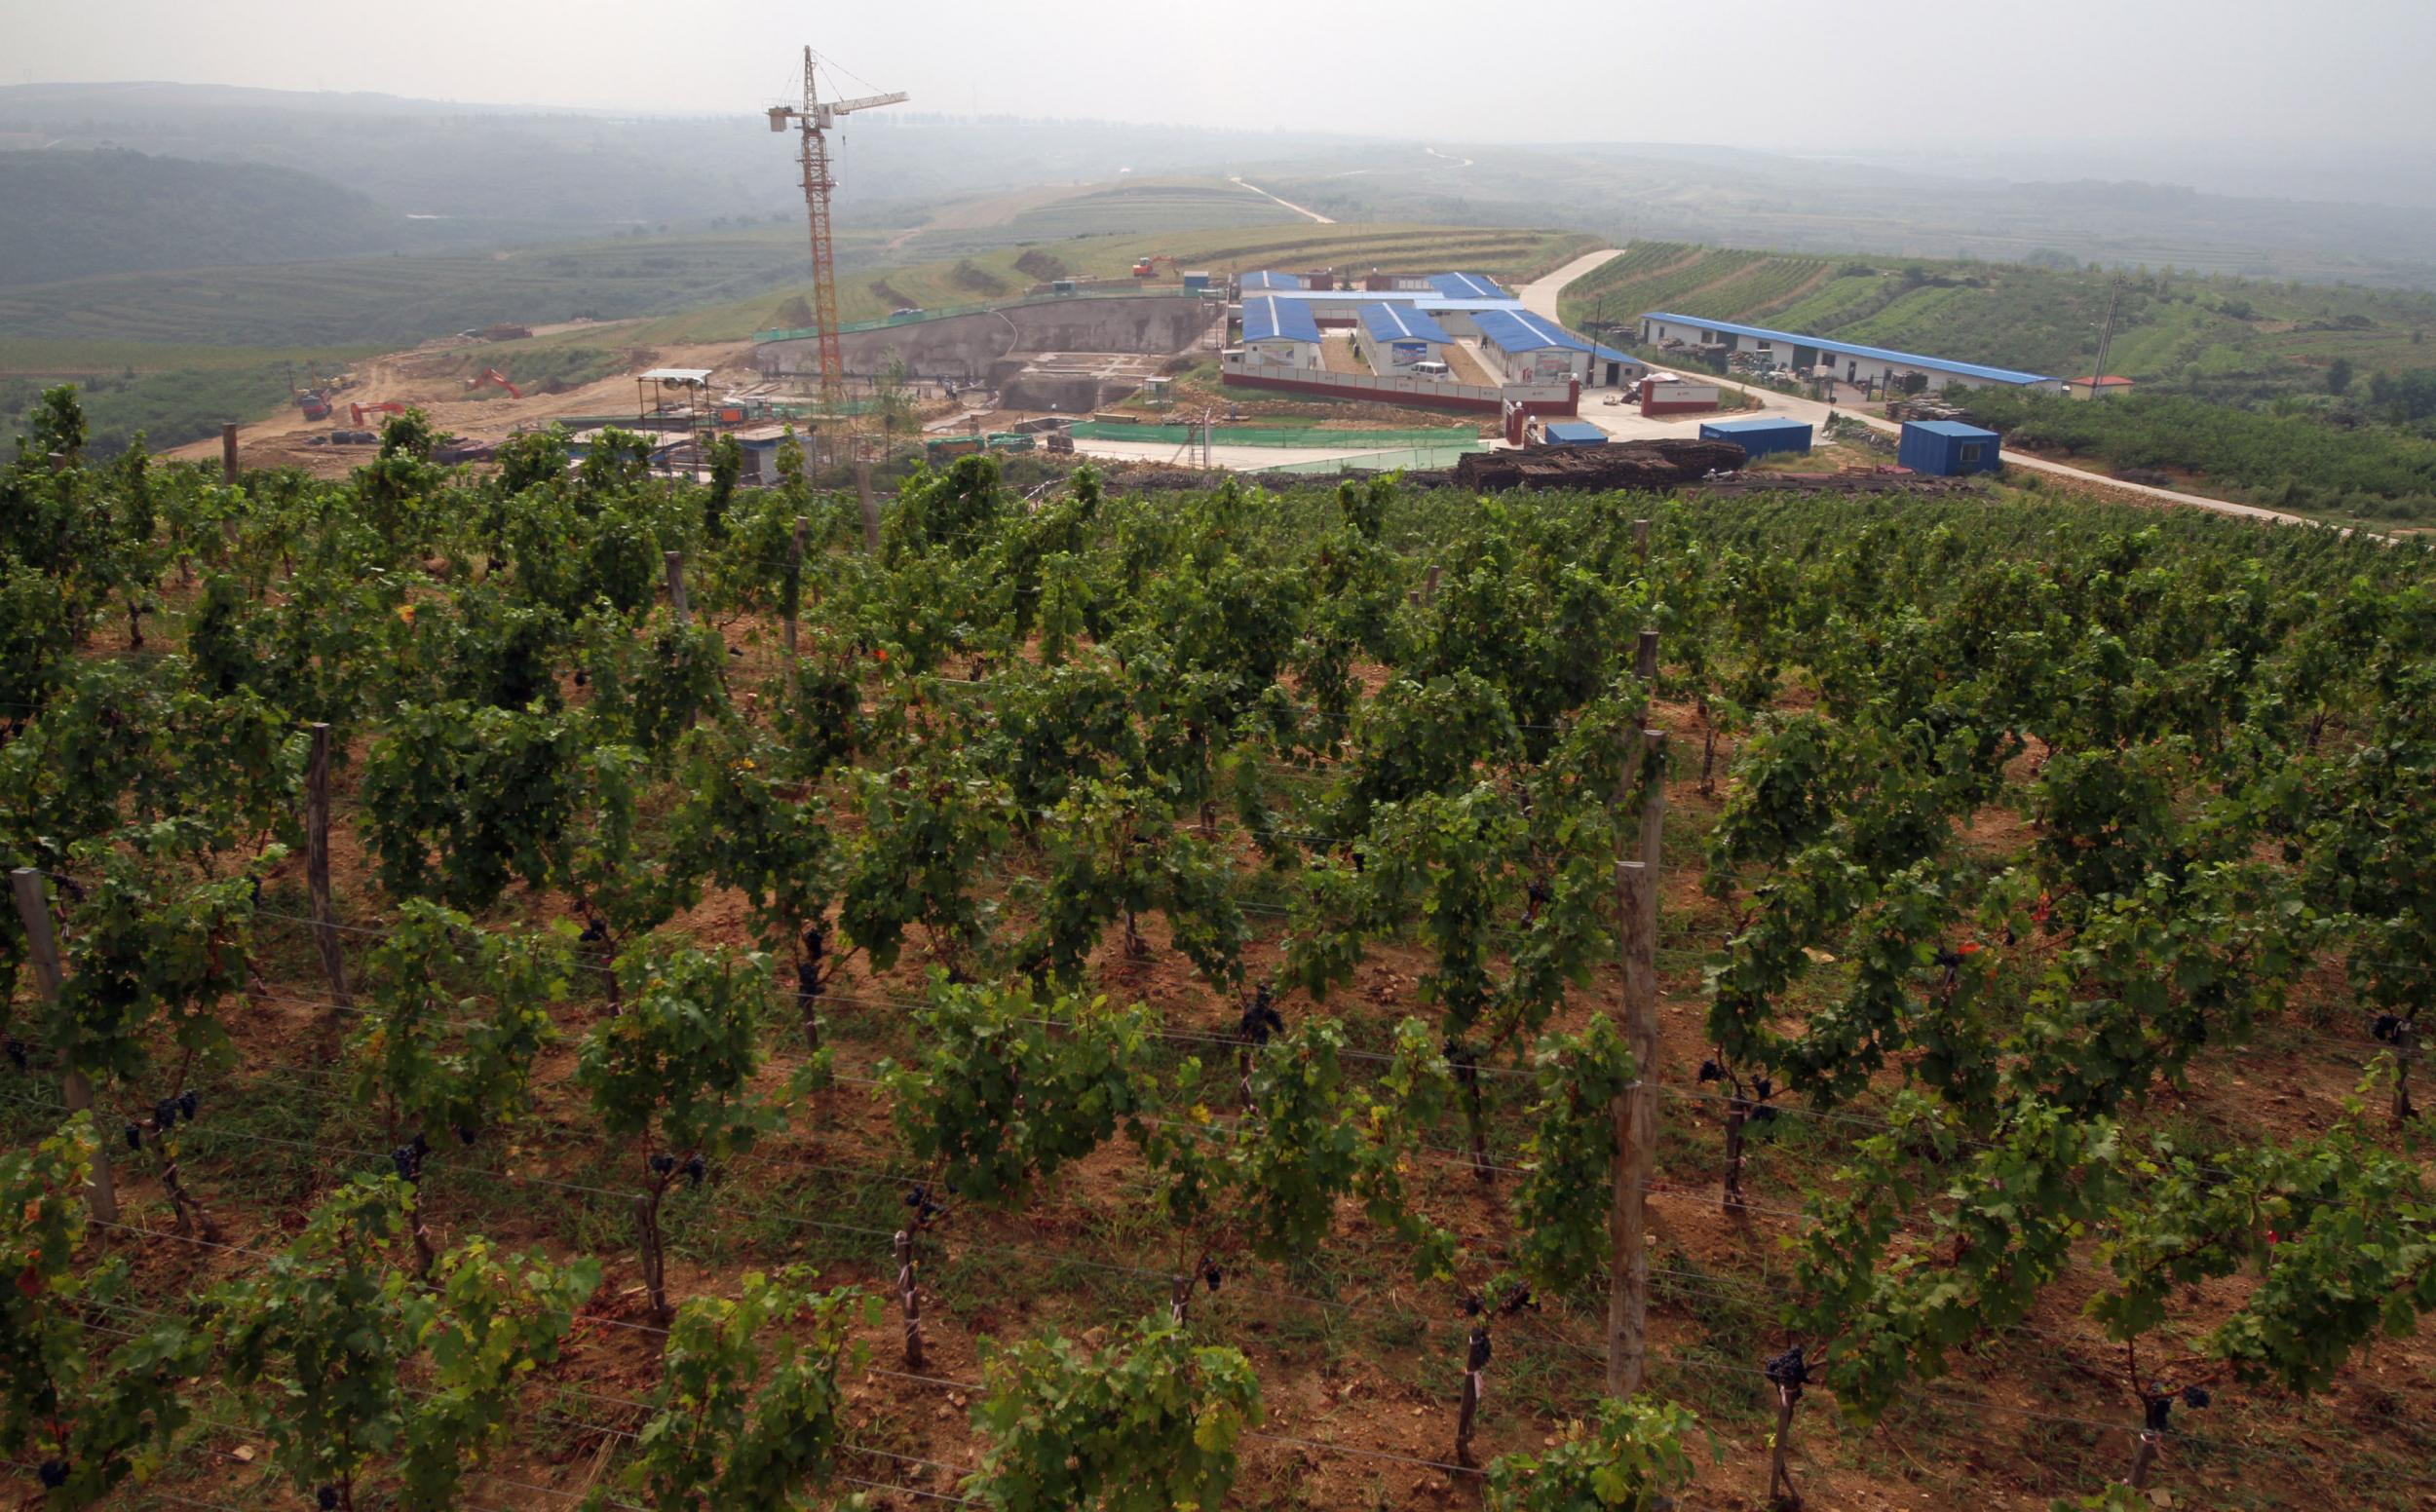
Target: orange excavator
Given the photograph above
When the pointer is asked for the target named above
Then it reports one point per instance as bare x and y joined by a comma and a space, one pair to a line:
376, 407
1146, 267
494, 375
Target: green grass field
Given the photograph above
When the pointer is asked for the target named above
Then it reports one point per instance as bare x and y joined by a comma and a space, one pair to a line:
2211, 334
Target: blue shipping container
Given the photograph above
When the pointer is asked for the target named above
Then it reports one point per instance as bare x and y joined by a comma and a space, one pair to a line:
1573, 433
1760, 438
1948, 448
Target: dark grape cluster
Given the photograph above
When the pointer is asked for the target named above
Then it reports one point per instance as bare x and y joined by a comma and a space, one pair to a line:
165, 1114
661, 1162
1710, 1071
594, 932
2389, 1028
408, 1161
327, 1499
695, 1168
1476, 1356
17, 1052
815, 947
2195, 1396
188, 1103
134, 1136
54, 1474
1466, 1065
1211, 1276
925, 1208
1261, 1017
1536, 897
465, 1133
1788, 1370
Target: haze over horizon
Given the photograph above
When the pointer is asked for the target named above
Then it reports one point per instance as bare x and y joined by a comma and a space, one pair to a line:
2210, 93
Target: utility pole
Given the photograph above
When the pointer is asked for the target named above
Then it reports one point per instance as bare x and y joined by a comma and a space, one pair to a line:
2106, 337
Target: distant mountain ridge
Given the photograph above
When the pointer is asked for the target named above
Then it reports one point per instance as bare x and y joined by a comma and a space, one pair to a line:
71, 213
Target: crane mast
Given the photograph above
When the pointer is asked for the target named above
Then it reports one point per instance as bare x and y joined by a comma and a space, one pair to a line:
811, 120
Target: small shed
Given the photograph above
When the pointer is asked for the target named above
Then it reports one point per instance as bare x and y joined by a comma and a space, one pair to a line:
1762, 437
1573, 433
1947, 448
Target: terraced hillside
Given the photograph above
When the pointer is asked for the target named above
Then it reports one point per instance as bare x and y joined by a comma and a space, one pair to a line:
2203, 332
1502, 251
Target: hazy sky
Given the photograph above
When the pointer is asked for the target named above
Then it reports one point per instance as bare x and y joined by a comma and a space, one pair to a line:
1774, 73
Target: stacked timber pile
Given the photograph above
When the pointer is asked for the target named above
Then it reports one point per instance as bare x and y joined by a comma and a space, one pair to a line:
1622, 464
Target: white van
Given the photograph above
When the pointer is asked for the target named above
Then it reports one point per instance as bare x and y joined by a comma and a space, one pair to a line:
1430, 370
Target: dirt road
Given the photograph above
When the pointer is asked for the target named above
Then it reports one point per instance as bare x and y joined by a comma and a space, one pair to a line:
1540, 299
1325, 221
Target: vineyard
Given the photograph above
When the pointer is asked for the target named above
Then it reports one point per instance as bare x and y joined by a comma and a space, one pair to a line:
560, 988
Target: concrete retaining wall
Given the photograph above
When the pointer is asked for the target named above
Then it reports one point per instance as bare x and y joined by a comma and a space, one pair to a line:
966, 346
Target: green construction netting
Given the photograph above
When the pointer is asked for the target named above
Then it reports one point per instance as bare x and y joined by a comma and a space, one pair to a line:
1305, 436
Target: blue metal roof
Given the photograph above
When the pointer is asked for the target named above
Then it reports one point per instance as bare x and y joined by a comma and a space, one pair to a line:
1954, 427
1278, 320
1255, 281
1611, 354
1466, 286
1399, 322
1518, 330
1849, 349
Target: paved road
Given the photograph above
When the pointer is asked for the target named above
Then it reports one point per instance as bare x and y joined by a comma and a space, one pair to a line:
1540, 299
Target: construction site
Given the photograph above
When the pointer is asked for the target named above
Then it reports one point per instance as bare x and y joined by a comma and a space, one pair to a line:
1254, 370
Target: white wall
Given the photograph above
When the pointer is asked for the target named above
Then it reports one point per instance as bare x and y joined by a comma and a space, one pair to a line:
1281, 353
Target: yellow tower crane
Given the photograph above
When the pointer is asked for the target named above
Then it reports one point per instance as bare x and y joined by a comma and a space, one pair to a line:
812, 119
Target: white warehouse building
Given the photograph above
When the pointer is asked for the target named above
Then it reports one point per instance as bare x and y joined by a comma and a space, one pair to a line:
1280, 332
1392, 337
1826, 357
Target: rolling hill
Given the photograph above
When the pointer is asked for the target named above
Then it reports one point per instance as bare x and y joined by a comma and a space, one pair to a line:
78, 213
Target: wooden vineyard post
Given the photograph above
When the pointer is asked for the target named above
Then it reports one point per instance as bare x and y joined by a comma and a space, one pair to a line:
1476, 1352
1635, 1111
870, 507
1430, 586
318, 866
795, 576
676, 561
1640, 541
1636, 1127
33, 910
909, 1293
228, 455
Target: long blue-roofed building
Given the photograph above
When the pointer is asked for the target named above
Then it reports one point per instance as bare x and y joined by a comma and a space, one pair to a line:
1825, 357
